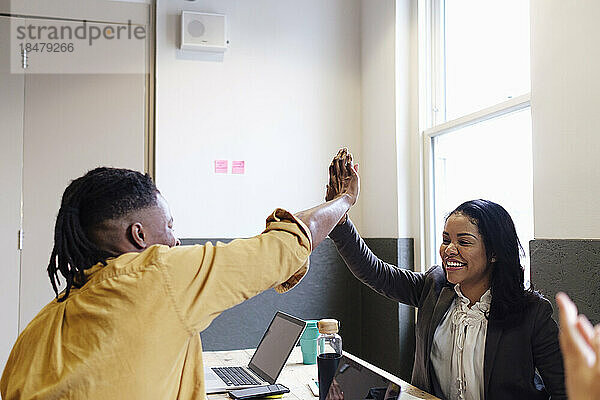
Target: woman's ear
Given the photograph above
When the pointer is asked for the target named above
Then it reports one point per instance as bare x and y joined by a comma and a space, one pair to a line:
136, 235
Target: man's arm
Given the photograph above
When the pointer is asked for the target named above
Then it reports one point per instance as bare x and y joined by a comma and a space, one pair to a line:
323, 218
206, 280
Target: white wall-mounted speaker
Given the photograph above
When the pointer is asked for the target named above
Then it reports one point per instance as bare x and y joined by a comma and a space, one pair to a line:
203, 32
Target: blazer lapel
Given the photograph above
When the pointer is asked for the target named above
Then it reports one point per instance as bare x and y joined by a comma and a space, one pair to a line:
493, 335
441, 306
443, 303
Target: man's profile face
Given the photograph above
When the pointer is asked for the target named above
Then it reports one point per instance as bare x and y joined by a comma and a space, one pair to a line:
158, 224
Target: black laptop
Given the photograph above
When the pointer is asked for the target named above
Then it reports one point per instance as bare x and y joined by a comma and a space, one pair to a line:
267, 362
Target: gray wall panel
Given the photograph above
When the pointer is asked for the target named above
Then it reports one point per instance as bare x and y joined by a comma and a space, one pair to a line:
387, 326
571, 266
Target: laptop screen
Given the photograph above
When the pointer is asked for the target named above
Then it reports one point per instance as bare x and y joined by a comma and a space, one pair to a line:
356, 381
276, 345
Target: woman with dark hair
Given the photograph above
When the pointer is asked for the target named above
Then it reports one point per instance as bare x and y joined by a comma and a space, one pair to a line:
480, 333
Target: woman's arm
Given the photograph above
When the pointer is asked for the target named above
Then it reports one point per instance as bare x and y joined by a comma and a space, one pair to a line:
395, 283
546, 351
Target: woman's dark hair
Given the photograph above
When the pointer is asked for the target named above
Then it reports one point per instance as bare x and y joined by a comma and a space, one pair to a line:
509, 296
101, 194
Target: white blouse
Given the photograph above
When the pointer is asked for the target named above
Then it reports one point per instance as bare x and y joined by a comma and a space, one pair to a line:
459, 346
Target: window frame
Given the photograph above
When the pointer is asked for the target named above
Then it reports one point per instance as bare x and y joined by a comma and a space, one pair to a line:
432, 122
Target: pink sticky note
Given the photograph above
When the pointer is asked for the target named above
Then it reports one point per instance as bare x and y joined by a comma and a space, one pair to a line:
238, 167
221, 166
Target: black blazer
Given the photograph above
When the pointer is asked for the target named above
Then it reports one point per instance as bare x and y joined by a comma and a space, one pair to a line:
512, 354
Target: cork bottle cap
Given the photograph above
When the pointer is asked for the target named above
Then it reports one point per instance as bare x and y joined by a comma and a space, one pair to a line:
328, 326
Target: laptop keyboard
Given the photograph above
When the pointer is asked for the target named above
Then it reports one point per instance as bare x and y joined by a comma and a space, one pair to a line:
235, 376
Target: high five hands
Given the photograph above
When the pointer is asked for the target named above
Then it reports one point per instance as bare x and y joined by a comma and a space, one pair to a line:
343, 178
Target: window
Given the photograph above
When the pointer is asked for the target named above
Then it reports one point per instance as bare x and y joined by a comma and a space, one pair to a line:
486, 57
477, 137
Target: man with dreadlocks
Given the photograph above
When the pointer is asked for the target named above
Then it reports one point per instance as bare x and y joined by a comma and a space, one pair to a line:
126, 326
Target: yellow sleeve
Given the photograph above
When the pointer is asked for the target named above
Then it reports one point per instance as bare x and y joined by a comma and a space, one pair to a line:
206, 280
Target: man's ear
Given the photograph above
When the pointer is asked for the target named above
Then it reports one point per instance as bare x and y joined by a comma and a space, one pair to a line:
137, 236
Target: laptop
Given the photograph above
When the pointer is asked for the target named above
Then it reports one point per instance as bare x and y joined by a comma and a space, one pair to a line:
267, 362
359, 380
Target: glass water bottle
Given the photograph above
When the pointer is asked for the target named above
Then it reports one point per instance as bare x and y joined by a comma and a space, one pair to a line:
329, 352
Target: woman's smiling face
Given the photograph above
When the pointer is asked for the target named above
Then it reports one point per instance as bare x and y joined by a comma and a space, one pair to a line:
464, 257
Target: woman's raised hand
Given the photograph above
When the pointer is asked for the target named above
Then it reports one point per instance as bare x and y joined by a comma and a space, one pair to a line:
343, 178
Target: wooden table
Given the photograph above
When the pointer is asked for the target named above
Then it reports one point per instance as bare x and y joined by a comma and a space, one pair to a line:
295, 375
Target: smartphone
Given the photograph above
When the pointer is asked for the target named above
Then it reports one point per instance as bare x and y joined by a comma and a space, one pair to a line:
313, 385
260, 391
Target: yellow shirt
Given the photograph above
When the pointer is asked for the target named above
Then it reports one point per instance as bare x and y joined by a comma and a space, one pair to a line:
132, 331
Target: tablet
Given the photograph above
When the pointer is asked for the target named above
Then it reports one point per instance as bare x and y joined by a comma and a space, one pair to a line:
358, 380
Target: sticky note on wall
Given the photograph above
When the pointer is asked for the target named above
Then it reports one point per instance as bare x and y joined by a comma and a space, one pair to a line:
221, 166
238, 167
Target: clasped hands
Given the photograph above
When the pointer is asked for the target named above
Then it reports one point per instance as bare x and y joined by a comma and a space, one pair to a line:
343, 178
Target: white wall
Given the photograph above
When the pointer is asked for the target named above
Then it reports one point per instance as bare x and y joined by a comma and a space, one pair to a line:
408, 137
565, 95
284, 97
378, 168
390, 141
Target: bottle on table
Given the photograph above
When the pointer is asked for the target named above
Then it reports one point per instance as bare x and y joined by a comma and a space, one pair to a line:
308, 342
329, 352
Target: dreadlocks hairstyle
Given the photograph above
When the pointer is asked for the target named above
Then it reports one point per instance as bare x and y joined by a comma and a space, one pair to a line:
101, 194
509, 296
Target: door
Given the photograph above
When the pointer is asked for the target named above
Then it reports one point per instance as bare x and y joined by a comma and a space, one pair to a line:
73, 122
55, 127
11, 154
